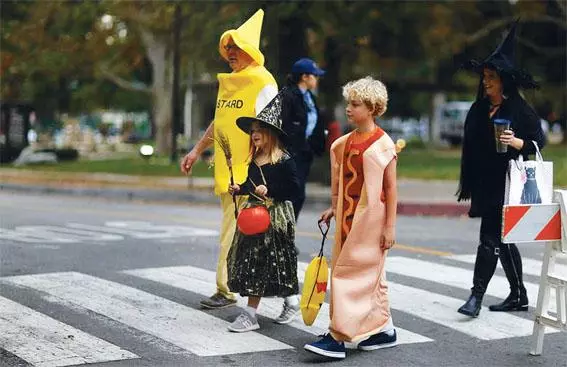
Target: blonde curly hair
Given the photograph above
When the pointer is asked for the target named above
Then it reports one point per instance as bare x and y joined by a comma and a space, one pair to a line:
371, 92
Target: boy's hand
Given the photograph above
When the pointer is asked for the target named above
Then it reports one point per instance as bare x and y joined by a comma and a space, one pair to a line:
261, 190
388, 238
233, 189
327, 215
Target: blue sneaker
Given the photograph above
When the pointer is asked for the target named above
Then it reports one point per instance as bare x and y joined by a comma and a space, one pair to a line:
327, 347
385, 339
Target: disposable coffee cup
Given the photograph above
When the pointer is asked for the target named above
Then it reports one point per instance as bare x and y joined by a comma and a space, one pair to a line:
499, 126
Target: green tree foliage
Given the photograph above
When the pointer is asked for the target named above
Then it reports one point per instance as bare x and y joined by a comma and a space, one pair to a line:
74, 56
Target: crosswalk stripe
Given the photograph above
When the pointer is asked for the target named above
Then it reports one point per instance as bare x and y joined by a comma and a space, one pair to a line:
45, 342
455, 277
442, 310
187, 328
202, 281
529, 266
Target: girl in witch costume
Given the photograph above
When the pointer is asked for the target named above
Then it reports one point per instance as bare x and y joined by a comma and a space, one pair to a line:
483, 170
265, 265
364, 199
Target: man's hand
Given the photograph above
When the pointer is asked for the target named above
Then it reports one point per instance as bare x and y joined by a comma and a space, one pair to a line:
261, 190
233, 189
388, 238
188, 161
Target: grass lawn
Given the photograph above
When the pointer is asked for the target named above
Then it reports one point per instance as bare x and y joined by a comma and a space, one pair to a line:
419, 163
135, 165
444, 164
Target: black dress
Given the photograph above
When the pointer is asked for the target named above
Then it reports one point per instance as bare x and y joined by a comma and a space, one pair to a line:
483, 170
483, 181
265, 265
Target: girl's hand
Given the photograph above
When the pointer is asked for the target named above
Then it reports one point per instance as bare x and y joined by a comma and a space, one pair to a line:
233, 189
388, 238
261, 190
327, 215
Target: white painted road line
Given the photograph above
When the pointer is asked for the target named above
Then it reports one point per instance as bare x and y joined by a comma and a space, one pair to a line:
529, 266
187, 328
202, 281
45, 342
146, 230
442, 310
455, 277
69, 234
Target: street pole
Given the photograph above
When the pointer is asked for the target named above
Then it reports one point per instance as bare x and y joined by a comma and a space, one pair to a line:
175, 107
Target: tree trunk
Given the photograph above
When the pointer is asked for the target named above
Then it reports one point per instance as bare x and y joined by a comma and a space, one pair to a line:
160, 57
437, 102
162, 119
329, 84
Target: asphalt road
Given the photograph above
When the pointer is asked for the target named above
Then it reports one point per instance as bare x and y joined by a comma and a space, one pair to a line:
114, 283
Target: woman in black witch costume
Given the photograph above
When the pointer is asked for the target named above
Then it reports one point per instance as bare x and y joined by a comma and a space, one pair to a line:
483, 169
265, 264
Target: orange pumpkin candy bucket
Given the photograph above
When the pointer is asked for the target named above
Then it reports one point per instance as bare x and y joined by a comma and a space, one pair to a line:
254, 220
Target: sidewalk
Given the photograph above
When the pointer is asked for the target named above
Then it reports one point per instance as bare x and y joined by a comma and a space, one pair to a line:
415, 197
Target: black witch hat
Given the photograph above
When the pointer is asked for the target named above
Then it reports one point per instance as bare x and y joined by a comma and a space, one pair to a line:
502, 60
270, 116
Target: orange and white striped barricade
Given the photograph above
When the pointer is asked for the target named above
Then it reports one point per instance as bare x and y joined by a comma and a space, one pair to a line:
543, 223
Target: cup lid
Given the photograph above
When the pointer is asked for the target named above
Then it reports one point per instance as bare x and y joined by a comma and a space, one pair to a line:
501, 121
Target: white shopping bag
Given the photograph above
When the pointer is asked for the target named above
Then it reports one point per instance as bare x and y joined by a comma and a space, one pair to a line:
529, 182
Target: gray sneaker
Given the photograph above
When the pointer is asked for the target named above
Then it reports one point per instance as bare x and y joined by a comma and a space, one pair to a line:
244, 322
288, 314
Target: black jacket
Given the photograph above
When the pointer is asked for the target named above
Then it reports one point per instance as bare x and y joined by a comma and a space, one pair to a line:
483, 170
294, 123
281, 179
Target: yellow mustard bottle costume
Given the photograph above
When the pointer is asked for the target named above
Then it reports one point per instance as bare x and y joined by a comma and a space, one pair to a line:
236, 97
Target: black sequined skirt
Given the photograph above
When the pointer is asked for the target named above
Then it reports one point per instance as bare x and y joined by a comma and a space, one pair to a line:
265, 265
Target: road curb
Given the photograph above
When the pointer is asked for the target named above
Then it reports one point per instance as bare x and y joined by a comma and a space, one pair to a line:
116, 193
317, 202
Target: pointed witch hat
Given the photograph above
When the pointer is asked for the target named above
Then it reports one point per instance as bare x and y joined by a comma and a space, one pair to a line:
269, 117
503, 61
246, 37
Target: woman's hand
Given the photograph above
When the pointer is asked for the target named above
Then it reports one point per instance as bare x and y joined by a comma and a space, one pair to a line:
261, 190
233, 189
327, 215
508, 138
388, 238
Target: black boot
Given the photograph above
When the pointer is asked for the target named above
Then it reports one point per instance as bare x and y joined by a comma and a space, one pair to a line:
471, 307
484, 267
511, 303
511, 261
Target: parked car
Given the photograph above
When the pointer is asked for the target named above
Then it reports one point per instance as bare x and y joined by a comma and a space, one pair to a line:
452, 123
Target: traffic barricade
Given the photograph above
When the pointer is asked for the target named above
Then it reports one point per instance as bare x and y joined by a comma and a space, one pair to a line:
543, 223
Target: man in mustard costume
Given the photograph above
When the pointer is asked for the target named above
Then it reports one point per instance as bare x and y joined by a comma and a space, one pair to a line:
243, 92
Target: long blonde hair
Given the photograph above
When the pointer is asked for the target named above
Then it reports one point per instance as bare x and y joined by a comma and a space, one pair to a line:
274, 146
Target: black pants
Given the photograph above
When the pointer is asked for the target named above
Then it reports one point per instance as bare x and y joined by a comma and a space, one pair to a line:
489, 251
303, 161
